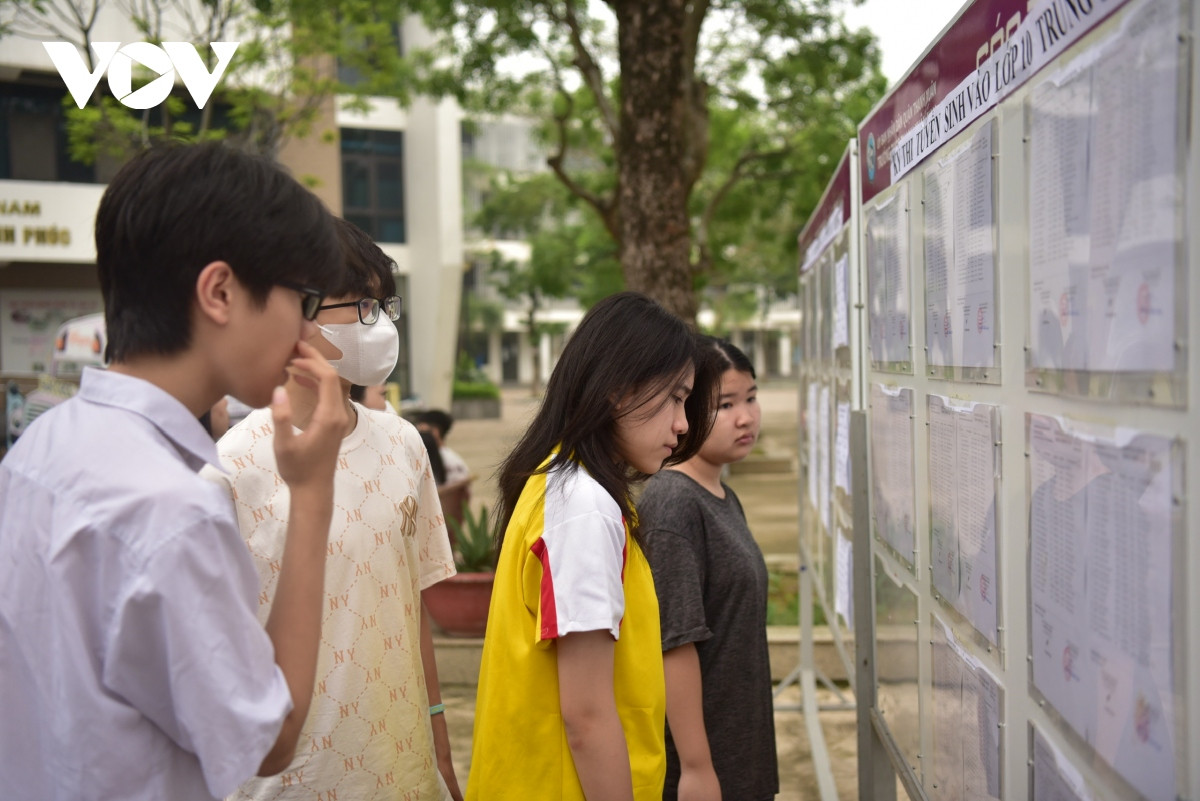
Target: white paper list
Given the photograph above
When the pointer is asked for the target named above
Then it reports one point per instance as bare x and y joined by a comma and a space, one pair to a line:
939, 258
1054, 778
948, 719
962, 478
892, 467
1100, 587
966, 722
982, 703
824, 441
960, 256
976, 516
1058, 214
1104, 195
943, 457
888, 306
842, 447
1133, 189
825, 277
974, 253
810, 433
844, 579
841, 302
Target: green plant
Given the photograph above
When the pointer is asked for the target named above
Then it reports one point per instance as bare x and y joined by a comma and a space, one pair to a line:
783, 600
471, 382
467, 371
474, 551
465, 390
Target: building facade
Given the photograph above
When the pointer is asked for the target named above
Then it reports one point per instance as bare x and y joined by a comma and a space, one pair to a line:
393, 171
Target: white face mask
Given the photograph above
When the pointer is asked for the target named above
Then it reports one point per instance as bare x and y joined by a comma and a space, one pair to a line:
369, 352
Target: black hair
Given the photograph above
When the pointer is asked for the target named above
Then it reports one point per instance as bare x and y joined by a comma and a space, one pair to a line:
435, 457
172, 210
369, 271
626, 346
358, 393
731, 356
443, 421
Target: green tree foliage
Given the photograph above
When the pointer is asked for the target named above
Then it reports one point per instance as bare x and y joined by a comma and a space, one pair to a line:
700, 134
279, 83
569, 256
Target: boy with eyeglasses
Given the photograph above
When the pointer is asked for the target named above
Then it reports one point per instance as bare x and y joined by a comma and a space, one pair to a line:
132, 664
374, 730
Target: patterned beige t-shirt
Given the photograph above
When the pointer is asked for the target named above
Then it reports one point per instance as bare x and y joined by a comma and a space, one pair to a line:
368, 733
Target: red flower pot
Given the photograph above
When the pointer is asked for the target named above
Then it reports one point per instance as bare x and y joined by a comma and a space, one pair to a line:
459, 605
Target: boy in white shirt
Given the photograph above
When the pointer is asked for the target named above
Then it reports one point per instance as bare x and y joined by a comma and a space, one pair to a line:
132, 665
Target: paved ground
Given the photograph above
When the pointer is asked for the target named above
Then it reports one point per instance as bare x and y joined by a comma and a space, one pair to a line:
770, 501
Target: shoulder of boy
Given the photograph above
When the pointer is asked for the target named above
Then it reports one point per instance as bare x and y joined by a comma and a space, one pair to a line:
215, 476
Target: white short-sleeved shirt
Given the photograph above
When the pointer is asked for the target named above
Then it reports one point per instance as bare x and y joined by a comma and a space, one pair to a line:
568, 564
132, 665
456, 468
368, 734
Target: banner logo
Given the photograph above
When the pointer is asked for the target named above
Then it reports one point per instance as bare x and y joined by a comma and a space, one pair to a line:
168, 60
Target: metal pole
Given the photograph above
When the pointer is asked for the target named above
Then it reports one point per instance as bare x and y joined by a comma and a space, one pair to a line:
876, 777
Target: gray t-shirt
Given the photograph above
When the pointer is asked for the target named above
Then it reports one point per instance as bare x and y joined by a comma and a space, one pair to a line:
712, 591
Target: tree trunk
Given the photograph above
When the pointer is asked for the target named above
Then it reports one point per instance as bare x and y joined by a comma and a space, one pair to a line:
655, 241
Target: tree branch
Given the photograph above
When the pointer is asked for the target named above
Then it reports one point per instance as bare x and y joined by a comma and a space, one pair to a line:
691, 35
43, 28
557, 160
592, 75
82, 22
47, 31
739, 172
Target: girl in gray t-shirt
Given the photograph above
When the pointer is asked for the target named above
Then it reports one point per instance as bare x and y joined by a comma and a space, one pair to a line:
712, 594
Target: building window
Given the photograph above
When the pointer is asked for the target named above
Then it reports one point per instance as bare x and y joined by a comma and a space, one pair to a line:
467, 132
373, 182
33, 136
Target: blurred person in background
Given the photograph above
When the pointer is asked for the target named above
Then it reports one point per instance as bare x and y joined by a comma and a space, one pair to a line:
439, 423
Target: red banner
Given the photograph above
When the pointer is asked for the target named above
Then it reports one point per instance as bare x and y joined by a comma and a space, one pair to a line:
826, 221
989, 50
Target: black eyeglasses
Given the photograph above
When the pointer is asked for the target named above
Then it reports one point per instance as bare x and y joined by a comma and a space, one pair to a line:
310, 299
368, 308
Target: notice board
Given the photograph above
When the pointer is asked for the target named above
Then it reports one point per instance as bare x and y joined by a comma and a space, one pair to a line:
828, 393
1028, 383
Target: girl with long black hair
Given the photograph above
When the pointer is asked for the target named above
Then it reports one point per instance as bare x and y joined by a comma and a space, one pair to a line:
571, 701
